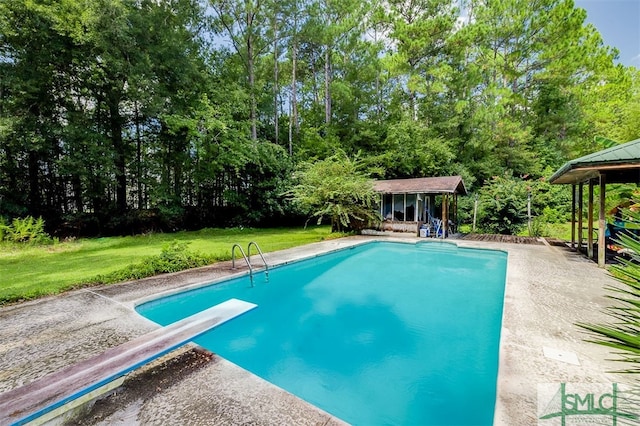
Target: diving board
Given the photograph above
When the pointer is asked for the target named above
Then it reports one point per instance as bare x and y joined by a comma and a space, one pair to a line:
35, 399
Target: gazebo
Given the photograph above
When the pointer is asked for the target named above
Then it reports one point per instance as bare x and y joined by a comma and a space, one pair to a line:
406, 204
618, 164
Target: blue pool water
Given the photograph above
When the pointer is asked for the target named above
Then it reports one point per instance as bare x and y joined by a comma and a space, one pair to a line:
382, 333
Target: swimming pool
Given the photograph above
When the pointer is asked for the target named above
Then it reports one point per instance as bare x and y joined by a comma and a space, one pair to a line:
381, 333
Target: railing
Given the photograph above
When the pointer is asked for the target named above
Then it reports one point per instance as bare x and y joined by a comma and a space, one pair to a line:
266, 267
246, 259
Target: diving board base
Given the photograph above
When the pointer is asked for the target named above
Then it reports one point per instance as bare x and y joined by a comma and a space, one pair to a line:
72, 408
34, 400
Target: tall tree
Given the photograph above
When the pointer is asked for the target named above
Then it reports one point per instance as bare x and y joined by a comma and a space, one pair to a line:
524, 49
243, 22
420, 31
111, 105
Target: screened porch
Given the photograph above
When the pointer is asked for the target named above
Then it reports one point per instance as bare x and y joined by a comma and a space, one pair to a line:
406, 205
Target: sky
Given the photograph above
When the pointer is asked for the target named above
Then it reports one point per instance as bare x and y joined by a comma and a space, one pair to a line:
618, 22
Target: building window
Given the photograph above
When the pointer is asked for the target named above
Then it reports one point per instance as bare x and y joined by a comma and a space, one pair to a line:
387, 206
410, 207
398, 207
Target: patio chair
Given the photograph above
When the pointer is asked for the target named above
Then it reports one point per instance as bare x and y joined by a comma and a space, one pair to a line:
437, 226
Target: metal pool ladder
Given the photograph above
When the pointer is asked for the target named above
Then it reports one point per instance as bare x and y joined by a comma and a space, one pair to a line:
246, 259
266, 267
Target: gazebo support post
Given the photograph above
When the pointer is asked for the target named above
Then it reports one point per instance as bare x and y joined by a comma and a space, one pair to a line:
616, 164
602, 247
580, 192
455, 210
590, 220
445, 214
573, 216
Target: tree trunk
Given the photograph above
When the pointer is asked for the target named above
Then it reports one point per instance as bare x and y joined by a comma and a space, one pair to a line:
327, 86
378, 85
276, 107
115, 123
413, 104
35, 202
293, 118
138, 158
77, 193
252, 79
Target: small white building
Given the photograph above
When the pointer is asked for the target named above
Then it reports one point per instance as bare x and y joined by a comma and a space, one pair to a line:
407, 204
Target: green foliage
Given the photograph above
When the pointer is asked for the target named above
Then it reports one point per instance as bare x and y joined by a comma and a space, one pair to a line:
552, 202
538, 227
504, 199
173, 257
4, 229
337, 189
551, 215
622, 334
33, 271
411, 149
114, 106
503, 205
24, 231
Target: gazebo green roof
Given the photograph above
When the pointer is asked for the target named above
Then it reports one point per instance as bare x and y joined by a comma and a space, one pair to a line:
620, 163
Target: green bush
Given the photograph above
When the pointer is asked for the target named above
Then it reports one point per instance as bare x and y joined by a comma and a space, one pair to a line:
503, 205
24, 231
173, 257
4, 229
538, 227
336, 188
551, 215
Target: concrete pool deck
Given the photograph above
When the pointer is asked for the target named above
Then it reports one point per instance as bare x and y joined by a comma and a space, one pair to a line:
548, 290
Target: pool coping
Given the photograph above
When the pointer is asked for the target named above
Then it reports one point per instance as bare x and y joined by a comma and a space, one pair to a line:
238, 274
527, 329
54, 394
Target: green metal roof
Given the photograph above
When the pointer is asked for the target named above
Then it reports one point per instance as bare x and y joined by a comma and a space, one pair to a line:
620, 162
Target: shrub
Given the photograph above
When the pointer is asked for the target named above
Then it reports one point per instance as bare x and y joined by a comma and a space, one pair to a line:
173, 257
337, 189
538, 227
24, 231
4, 229
503, 205
551, 215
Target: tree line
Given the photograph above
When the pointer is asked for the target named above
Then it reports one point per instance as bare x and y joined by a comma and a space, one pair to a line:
120, 116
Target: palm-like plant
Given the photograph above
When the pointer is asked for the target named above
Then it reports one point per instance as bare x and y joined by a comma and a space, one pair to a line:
623, 332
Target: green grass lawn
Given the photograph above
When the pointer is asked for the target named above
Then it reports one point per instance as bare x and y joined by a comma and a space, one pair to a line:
29, 272
559, 230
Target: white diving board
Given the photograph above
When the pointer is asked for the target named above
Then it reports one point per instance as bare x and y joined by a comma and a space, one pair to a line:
33, 400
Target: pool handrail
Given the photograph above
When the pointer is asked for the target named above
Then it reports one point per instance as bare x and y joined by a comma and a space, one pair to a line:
246, 259
266, 267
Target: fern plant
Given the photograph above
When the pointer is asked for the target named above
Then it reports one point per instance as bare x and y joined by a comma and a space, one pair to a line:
26, 230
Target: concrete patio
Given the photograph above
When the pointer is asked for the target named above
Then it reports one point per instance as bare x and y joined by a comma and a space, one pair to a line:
548, 290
